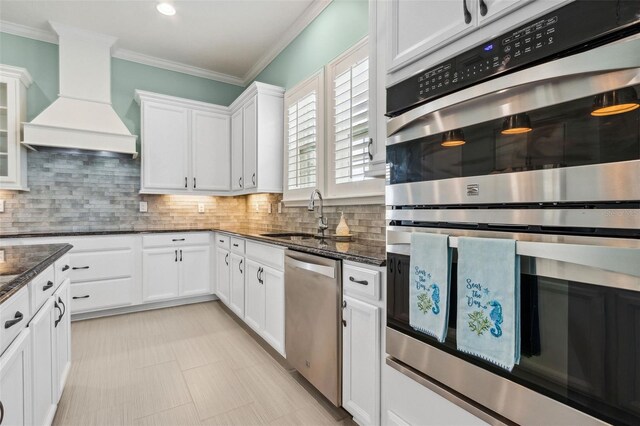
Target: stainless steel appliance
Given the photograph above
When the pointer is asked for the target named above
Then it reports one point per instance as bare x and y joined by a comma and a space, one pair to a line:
546, 113
313, 335
532, 136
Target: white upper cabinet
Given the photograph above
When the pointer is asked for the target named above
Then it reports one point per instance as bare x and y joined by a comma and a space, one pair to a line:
491, 9
185, 146
165, 150
257, 139
13, 111
421, 34
250, 141
418, 27
210, 151
237, 171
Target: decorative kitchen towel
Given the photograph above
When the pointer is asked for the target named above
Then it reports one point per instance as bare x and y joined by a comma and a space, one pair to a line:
488, 321
429, 271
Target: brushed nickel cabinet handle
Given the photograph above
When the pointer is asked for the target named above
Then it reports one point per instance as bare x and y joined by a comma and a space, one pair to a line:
363, 282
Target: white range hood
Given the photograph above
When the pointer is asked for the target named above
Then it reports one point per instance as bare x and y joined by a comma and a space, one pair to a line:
82, 116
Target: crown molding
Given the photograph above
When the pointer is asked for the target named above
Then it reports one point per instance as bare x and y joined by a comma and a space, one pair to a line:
309, 14
28, 32
167, 64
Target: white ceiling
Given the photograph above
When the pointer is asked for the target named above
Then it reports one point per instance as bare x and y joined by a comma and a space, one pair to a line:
227, 40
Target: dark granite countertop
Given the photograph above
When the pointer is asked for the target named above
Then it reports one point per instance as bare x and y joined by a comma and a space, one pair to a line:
364, 251
23, 263
371, 252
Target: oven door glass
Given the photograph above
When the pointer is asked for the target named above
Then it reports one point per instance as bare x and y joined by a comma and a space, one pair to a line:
556, 136
580, 342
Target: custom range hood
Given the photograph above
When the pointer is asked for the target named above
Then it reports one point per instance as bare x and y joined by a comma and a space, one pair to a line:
82, 117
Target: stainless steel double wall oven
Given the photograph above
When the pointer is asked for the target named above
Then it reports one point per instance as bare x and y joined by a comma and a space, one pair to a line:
533, 136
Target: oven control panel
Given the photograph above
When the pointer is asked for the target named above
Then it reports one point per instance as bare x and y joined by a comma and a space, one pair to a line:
564, 30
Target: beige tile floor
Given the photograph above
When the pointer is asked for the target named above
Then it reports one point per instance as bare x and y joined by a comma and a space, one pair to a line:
187, 365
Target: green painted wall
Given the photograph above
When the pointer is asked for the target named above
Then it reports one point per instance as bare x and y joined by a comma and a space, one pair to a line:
41, 59
341, 25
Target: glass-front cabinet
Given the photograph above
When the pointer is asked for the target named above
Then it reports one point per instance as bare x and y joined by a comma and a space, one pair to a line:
13, 110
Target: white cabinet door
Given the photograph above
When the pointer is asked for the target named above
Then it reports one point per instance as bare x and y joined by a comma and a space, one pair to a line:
250, 142
237, 174
254, 297
194, 270
42, 341
274, 308
160, 274
223, 269
489, 10
62, 326
15, 381
419, 27
165, 147
361, 361
236, 301
211, 151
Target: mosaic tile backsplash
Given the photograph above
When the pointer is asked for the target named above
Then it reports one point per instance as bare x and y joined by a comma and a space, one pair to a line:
72, 191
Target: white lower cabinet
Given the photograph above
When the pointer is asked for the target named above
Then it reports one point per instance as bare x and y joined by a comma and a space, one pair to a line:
195, 277
15, 381
160, 274
176, 271
254, 297
62, 336
43, 341
223, 271
361, 360
236, 299
264, 303
273, 331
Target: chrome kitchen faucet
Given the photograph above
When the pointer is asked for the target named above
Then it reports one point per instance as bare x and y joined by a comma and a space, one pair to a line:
322, 221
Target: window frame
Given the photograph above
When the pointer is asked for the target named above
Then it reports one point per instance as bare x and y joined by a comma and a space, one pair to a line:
295, 94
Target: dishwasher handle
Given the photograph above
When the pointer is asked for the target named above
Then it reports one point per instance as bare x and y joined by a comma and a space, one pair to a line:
327, 271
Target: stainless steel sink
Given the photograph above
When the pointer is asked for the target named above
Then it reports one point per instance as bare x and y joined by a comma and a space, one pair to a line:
292, 236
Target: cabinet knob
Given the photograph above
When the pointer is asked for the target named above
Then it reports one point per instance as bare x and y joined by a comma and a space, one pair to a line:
369, 149
194, 183
363, 282
185, 182
483, 8
344, 323
253, 178
47, 286
240, 182
180, 255
65, 268
226, 259
467, 14
86, 296
240, 266
16, 319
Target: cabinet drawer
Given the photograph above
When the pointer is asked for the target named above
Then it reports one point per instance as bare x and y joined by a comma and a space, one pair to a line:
237, 245
223, 241
101, 243
170, 239
266, 254
41, 287
18, 305
93, 266
93, 296
62, 269
361, 282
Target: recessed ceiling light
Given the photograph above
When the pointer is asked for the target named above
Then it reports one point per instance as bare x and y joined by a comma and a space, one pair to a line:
166, 9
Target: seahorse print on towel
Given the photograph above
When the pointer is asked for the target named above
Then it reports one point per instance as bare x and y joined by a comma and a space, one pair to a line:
496, 317
435, 296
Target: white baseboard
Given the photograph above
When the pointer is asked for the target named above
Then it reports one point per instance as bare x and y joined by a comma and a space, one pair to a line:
143, 307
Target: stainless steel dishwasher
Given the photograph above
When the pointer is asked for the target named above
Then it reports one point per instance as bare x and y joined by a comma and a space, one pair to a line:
313, 337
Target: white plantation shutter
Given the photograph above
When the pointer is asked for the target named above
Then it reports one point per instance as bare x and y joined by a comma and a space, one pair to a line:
303, 138
351, 123
348, 128
302, 143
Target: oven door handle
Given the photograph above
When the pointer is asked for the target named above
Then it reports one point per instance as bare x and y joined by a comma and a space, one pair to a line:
551, 83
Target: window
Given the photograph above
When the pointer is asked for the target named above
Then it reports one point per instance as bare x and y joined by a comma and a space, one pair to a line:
303, 136
348, 127
338, 165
